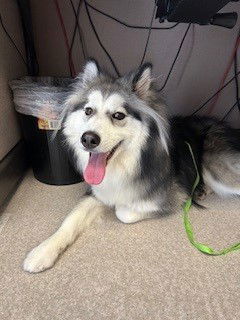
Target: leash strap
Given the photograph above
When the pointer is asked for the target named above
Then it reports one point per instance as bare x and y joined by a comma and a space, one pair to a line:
188, 226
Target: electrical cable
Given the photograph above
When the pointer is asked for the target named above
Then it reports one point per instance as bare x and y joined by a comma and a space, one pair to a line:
99, 41
187, 56
12, 41
71, 64
237, 103
76, 14
87, 6
237, 43
230, 110
125, 23
214, 95
149, 34
27, 31
236, 79
150, 28
175, 59
77, 27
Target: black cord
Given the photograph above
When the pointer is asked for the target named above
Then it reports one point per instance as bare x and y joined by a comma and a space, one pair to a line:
209, 99
12, 41
150, 28
125, 24
99, 41
149, 34
230, 110
235, 77
77, 27
236, 80
176, 57
237, 103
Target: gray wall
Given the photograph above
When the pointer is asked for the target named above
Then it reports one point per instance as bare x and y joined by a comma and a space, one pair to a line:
10, 67
197, 74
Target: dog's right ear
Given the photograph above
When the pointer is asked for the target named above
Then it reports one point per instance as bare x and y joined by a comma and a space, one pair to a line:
90, 71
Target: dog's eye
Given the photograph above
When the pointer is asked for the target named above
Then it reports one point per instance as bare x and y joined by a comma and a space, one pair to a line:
118, 115
88, 111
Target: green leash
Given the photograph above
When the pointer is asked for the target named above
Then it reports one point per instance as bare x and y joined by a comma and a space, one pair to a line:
188, 227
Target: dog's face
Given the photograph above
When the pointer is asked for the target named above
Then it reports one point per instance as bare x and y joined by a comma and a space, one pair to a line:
104, 117
102, 122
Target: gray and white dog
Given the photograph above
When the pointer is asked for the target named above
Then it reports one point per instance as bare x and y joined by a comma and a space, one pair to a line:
133, 157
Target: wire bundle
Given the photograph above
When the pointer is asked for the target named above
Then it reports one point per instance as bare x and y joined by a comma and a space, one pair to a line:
69, 47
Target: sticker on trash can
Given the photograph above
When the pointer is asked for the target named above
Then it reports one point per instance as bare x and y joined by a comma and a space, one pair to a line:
44, 124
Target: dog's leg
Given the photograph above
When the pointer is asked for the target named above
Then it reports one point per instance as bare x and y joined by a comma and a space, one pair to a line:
127, 215
44, 256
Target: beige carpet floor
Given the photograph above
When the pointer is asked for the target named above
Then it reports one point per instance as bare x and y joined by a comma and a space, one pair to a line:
143, 271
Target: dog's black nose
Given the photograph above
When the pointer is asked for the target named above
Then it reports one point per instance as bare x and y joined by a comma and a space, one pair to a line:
90, 140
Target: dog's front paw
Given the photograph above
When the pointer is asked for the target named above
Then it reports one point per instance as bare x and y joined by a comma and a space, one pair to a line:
40, 258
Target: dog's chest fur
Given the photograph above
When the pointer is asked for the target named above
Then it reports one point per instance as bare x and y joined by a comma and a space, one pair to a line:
121, 191
120, 186
115, 190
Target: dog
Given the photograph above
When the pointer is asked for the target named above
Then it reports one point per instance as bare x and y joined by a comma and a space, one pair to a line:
133, 157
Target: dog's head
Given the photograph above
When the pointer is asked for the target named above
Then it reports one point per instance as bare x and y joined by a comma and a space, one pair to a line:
105, 116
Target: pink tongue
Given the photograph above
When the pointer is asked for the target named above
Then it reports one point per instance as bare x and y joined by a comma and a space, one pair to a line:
95, 170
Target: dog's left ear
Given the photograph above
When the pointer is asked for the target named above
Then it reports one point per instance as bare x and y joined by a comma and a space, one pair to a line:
142, 80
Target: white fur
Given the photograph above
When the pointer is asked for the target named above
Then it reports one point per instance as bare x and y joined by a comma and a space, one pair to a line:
126, 215
160, 121
90, 72
221, 189
44, 256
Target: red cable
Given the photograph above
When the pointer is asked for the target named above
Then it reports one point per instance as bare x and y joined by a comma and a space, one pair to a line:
237, 43
70, 61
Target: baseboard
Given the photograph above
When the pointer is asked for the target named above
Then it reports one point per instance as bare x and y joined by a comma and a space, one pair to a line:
12, 168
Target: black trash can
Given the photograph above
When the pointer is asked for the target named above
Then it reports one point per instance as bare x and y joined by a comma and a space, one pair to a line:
39, 102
